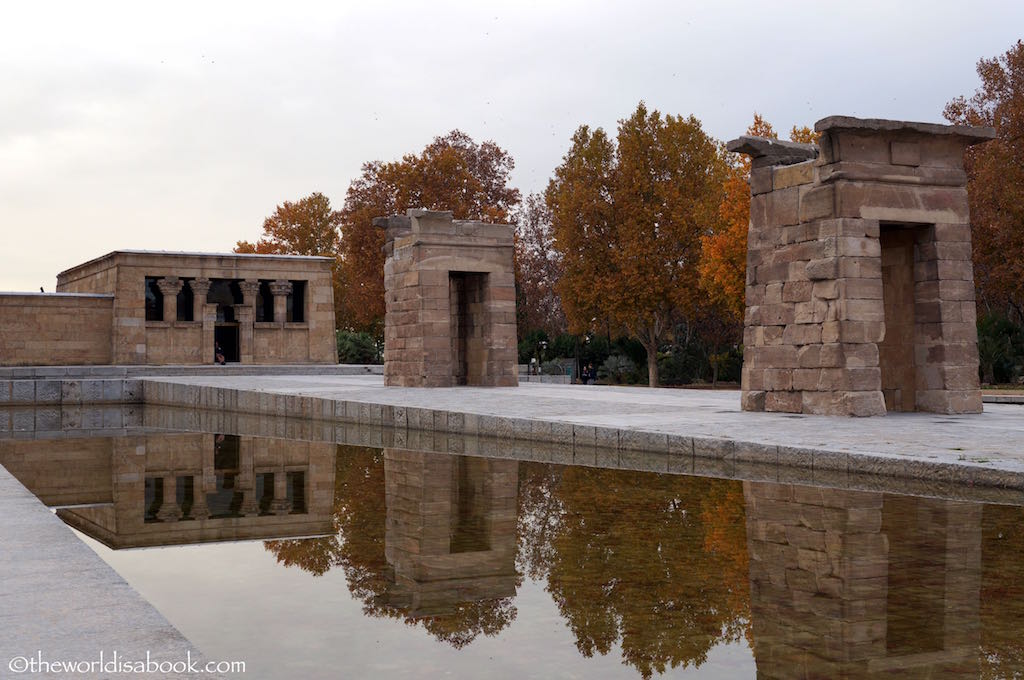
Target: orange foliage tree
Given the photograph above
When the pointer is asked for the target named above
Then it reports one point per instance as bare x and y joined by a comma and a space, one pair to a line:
627, 218
723, 264
995, 174
452, 173
308, 226
654, 564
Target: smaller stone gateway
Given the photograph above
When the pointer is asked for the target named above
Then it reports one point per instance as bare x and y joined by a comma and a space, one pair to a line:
450, 301
860, 288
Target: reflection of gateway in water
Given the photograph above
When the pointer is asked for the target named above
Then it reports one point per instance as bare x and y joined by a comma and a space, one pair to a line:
850, 584
165, 489
451, 530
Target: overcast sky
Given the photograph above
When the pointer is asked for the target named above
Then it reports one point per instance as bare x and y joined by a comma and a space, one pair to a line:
180, 126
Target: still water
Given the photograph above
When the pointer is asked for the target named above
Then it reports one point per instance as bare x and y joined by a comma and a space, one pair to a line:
312, 559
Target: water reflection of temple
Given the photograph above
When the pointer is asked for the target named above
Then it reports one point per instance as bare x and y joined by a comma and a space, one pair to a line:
164, 489
450, 531
850, 584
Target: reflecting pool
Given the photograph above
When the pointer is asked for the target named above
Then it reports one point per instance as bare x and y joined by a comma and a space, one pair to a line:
311, 558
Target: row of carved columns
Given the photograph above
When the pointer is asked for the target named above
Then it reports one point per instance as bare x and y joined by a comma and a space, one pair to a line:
170, 286
245, 483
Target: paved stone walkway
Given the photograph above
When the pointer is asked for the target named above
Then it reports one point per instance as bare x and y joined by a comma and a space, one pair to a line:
987, 448
58, 598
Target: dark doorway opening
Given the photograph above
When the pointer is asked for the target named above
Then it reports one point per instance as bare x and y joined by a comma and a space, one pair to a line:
916, 600
226, 335
896, 351
467, 297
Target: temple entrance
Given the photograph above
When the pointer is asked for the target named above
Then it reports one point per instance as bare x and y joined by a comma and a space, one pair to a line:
467, 294
226, 335
896, 351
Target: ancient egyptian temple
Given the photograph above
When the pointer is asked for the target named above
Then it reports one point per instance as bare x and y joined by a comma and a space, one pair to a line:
860, 288
158, 308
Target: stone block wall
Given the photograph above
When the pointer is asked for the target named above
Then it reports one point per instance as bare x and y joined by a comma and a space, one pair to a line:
136, 340
450, 302
860, 295
50, 329
849, 584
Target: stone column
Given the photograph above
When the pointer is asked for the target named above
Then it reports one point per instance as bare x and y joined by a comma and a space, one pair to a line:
169, 287
200, 288
206, 479
246, 315
246, 481
281, 290
280, 504
169, 511
200, 510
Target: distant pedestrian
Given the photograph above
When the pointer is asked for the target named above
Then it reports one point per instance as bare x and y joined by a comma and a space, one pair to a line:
218, 354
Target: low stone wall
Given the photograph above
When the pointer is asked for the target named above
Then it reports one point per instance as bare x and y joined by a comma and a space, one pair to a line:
664, 451
47, 329
69, 392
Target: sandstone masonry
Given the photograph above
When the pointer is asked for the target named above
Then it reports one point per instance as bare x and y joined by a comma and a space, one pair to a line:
450, 302
159, 308
860, 288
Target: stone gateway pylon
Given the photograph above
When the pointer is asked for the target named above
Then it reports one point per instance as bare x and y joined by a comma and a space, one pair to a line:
860, 288
450, 294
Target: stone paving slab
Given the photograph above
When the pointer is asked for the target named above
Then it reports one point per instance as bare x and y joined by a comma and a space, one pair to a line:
985, 449
106, 371
59, 599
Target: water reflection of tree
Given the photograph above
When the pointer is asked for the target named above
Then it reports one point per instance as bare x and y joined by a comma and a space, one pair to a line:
1002, 592
655, 563
357, 546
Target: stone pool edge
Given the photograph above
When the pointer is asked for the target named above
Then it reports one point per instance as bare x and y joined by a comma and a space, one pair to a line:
165, 392
63, 602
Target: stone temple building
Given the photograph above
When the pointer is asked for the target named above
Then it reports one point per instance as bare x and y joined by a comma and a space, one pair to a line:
860, 288
450, 301
158, 308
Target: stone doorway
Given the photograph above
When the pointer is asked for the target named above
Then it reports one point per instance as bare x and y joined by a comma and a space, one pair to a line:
226, 335
467, 297
896, 357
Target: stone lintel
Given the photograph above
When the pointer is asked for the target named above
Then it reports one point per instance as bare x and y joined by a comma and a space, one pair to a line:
965, 133
766, 152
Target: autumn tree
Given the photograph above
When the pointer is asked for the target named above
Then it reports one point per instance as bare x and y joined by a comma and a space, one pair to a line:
538, 269
308, 226
627, 218
723, 263
452, 173
995, 172
656, 566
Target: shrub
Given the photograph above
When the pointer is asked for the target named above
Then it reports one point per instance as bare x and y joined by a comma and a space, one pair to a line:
1000, 349
552, 368
617, 369
358, 348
